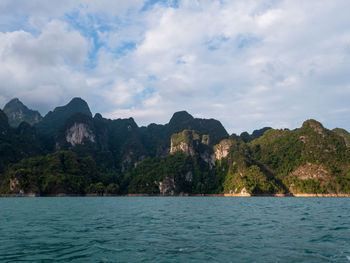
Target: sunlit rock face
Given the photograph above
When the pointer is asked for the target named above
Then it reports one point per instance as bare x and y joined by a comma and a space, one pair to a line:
78, 133
185, 141
222, 149
192, 144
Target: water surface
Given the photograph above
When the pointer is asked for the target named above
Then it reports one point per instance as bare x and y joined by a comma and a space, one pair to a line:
174, 229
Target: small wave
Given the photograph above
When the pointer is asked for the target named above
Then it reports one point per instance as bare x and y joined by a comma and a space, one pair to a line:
340, 228
348, 257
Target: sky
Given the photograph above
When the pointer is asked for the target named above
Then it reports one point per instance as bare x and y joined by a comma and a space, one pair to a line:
247, 63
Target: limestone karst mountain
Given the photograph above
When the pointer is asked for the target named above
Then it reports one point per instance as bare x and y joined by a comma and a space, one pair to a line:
69, 151
17, 112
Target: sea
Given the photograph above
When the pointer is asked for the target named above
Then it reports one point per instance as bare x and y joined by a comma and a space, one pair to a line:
174, 229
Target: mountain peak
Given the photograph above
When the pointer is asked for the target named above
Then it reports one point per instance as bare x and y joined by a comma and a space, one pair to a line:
181, 116
182, 120
77, 100
14, 102
314, 125
17, 112
76, 105
56, 118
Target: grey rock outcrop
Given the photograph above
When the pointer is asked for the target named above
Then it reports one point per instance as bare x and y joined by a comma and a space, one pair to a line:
167, 186
78, 133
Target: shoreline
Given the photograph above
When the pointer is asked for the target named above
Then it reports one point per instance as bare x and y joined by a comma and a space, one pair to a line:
177, 195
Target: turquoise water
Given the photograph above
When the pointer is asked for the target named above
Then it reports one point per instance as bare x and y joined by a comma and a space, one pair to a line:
174, 229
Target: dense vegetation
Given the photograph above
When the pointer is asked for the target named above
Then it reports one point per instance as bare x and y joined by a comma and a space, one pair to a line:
311, 159
118, 157
59, 172
16, 144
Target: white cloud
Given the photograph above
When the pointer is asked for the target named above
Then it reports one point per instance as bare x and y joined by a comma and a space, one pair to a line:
55, 45
42, 69
269, 18
246, 63
122, 94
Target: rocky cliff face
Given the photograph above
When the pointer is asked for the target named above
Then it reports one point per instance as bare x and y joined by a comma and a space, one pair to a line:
55, 119
190, 143
186, 141
310, 171
78, 133
170, 186
15, 186
239, 192
222, 149
167, 186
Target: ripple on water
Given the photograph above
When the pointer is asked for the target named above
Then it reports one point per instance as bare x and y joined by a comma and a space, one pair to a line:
182, 229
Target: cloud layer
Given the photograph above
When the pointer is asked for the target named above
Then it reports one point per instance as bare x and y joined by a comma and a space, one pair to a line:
247, 63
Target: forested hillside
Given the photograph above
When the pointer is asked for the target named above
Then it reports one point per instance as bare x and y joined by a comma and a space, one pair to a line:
69, 151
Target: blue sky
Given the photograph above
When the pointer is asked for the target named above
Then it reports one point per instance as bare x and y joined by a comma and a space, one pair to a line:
248, 63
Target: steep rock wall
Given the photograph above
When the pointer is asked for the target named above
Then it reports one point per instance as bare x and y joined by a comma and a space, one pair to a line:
78, 133
222, 149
